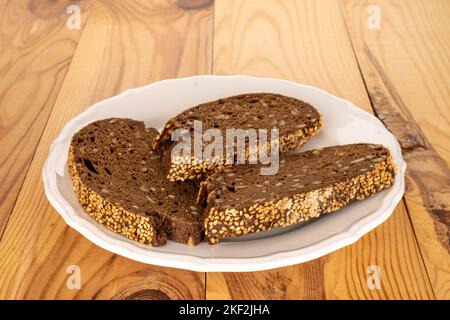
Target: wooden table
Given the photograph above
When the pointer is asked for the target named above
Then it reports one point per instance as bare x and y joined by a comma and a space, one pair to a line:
391, 59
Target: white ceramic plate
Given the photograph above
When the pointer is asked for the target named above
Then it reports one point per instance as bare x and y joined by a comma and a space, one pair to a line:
155, 103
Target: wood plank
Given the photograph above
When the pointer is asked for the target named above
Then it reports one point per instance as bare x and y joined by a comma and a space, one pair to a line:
405, 65
306, 41
124, 45
36, 50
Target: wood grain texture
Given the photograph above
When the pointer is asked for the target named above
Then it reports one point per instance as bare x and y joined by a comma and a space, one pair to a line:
35, 53
124, 45
306, 41
406, 65
304, 281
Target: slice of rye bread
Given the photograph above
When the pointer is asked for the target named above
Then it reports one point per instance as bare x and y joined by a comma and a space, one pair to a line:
120, 183
296, 120
240, 201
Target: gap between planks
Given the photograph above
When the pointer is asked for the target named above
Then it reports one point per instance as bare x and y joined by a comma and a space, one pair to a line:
427, 170
363, 78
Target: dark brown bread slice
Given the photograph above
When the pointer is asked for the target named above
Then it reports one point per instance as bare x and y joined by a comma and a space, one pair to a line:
296, 120
120, 183
240, 200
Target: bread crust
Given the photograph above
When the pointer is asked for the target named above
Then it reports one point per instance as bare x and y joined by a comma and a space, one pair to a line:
134, 226
189, 168
233, 222
150, 224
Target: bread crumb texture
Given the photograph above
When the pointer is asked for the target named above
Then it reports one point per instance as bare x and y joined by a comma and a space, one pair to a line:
184, 168
232, 222
133, 226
